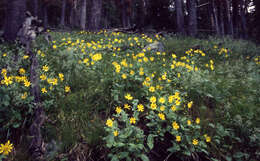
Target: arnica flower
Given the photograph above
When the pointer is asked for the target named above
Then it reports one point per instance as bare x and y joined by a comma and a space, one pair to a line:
45, 68
161, 116
175, 125
161, 100
25, 56
61, 76
162, 108
128, 96
173, 108
153, 99
178, 138
22, 71
43, 77
190, 104
24, 96
27, 83
195, 142
189, 122
153, 106
67, 89
197, 120
118, 110
6, 148
115, 133
132, 120
44, 90
109, 123
127, 106
152, 89
140, 108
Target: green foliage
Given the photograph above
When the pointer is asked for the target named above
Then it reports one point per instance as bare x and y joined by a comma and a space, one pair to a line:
199, 97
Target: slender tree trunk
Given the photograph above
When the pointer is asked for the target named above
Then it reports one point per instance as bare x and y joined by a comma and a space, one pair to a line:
257, 15
36, 7
96, 13
63, 12
15, 15
83, 15
229, 20
71, 18
45, 15
193, 23
221, 18
235, 17
243, 19
215, 14
180, 17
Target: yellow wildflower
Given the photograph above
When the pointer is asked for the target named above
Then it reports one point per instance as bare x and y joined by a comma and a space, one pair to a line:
67, 89
190, 104
115, 133
197, 120
45, 68
153, 99
132, 120
140, 107
6, 148
128, 96
24, 96
178, 138
22, 71
109, 123
44, 90
118, 110
127, 106
161, 116
195, 142
175, 125
43, 77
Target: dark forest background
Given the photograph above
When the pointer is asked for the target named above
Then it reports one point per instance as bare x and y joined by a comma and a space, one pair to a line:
237, 18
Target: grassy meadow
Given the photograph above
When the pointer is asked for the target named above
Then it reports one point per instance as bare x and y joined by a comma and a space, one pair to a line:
110, 96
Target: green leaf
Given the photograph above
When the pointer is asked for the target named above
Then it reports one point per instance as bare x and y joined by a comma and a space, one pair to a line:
114, 158
144, 157
150, 141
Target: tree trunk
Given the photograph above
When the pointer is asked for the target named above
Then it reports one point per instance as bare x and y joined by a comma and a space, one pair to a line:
45, 15
257, 15
63, 12
83, 15
221, 18
243, 18
95, 15
193, 23
179, 17
229, 21
235, 17
36, 7
215, 14
15, 15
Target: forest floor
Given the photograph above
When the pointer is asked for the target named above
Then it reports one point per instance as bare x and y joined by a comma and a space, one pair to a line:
111, 96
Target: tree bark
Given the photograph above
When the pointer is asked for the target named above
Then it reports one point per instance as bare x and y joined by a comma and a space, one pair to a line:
179, 17
95, 15
235, 17
45, 15
229, 20
36, 7
63, 12
15, 15
83, 15
193, 23
243, 19
257, 15
215, 14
